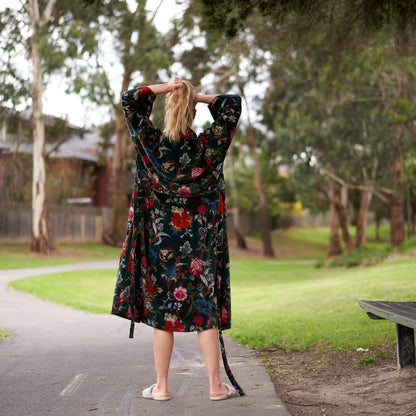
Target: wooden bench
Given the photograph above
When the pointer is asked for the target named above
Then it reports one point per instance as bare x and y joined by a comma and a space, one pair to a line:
404, 315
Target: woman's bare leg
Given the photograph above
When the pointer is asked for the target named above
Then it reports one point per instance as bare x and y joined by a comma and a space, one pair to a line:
210, 348
162, 351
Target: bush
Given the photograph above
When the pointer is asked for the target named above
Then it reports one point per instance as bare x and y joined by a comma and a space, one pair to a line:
362, 256
409, 244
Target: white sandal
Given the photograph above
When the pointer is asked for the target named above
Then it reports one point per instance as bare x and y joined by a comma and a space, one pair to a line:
232, 392
148, 394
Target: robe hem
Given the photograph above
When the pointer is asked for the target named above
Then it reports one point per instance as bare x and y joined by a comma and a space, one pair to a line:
122, 315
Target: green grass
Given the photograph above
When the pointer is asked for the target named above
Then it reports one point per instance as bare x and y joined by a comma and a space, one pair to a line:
290, 304
19, 255
3, 333
320, 235
294, 306
316, 235
90, 290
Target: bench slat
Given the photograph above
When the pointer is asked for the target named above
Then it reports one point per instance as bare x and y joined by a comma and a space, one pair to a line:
403, 313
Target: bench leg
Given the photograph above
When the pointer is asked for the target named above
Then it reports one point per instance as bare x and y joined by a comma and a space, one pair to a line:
405, 345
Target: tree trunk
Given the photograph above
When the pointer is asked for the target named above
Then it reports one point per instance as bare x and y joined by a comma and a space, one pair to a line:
40, 227
396, 221
341, 204
377, 228
408, 211
413, 211
360, 238
119, 194
263, 210
335, 248
241, 241
397, 205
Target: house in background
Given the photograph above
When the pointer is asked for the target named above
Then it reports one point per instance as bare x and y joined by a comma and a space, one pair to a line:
78, 175
77, 171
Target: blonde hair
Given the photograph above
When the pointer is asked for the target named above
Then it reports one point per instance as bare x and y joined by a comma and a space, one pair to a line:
179, 110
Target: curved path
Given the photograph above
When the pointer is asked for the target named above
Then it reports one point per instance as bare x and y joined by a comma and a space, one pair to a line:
63, 362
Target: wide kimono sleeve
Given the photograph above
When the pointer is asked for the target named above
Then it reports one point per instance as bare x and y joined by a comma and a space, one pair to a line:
225, 110
137, 105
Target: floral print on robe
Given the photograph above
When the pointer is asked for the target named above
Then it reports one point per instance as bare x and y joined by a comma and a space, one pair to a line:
174, 266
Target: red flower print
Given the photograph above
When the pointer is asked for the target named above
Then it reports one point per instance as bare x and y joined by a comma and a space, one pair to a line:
198, 320
196, 172
131, 213
173, 326
148, 202
145, 159
202, 209
155, 182
180, 294
221, 205
196, 266
180, 220
120, 298
225, 316
184, 191
123, 249
151, 288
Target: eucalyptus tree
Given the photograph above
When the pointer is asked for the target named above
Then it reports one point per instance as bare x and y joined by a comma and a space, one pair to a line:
142, 53
51, 35
355, 132
343, 28
235, 63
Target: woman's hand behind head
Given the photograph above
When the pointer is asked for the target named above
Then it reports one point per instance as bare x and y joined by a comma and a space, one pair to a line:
175, 83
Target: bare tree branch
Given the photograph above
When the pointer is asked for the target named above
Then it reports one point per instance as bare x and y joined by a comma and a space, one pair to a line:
368, 188
155, 13
47, 12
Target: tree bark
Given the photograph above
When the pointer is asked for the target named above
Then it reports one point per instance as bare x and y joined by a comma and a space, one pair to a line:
341, 203
335, 248
365, 201
119, 194
408, 211
263, 210
396, 220
397, 205
40, 226
377, 228
241, 241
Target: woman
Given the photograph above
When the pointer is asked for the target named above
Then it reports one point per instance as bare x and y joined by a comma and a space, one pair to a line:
174, 266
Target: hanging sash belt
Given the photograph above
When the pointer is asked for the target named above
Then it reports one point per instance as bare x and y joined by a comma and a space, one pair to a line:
137, 270
227, 367
136, 282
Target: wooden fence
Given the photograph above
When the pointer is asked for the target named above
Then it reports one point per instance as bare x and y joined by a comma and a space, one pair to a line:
69, 224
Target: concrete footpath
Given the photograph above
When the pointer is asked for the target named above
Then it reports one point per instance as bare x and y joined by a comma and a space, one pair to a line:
63, 362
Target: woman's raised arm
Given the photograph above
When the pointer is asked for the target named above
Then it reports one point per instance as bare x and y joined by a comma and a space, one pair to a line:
206, 99
171, 85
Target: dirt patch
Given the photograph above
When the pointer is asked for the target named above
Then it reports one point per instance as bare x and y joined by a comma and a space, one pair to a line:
348, 383
333, 383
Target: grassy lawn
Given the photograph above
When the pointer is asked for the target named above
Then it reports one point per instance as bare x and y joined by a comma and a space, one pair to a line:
294, 306
3, 334
19, 255
290, 304
320, 235
89, 290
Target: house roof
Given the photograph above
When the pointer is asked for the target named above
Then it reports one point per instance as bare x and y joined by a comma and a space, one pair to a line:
81, 144
76, 147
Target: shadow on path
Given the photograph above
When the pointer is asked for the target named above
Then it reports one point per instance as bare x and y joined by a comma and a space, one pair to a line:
64, 362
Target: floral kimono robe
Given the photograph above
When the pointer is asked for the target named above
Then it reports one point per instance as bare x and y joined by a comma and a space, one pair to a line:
174, 266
